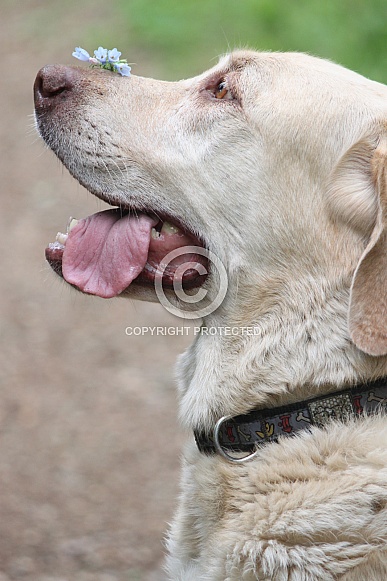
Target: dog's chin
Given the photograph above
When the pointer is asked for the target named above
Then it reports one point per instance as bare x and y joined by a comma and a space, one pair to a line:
125, 252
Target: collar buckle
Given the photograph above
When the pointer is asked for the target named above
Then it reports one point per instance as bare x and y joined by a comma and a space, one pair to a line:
222, 451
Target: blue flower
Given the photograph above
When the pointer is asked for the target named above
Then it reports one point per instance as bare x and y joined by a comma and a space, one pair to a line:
81, 54
123, 68
101, 54
106, 59
114, 55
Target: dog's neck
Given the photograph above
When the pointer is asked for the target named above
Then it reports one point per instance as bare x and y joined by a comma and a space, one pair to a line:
285, 353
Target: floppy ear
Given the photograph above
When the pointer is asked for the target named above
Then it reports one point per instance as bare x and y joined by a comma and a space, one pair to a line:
368, 298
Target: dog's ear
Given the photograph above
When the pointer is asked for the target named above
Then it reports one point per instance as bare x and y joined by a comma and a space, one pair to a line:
368, 300
362, 176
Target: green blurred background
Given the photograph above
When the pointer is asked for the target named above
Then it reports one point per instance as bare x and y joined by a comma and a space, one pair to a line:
181, 37
85, 490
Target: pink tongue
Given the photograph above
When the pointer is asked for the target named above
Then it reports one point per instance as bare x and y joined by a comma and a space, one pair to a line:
105, 252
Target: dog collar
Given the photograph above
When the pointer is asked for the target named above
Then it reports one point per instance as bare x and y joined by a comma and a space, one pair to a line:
248, 432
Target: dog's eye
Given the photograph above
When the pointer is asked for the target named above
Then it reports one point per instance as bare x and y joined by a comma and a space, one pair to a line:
222, 91
219, 88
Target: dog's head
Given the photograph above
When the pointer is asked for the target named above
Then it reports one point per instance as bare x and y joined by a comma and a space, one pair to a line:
275, 163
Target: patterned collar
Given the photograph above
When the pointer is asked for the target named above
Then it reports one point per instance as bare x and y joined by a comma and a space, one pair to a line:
246, 432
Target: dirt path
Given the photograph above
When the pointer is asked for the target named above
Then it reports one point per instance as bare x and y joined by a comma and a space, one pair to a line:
89, 445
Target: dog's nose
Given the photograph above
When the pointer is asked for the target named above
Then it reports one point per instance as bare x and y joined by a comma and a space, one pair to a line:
53, 84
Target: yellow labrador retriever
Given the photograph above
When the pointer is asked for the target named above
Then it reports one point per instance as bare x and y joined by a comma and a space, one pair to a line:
277, 165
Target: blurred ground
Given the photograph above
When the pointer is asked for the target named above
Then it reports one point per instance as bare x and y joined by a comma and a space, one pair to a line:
89, 443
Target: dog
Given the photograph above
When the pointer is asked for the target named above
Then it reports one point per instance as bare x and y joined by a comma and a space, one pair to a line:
276, 163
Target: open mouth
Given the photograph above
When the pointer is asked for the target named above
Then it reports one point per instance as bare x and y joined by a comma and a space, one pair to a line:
106, 252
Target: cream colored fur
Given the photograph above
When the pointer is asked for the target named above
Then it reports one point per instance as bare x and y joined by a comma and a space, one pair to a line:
285, 183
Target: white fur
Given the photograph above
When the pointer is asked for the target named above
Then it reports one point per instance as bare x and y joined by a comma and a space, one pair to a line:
276, 185
308, 508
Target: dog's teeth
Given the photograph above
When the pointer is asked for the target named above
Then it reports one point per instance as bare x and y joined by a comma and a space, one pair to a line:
169, 229
155, 234
61, 238
56, 245
71, 223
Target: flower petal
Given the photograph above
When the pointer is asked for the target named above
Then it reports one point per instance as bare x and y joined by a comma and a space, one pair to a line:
123, 69
81, 54
114, 55
101, 54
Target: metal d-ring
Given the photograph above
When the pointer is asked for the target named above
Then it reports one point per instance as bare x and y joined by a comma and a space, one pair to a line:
221, 450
